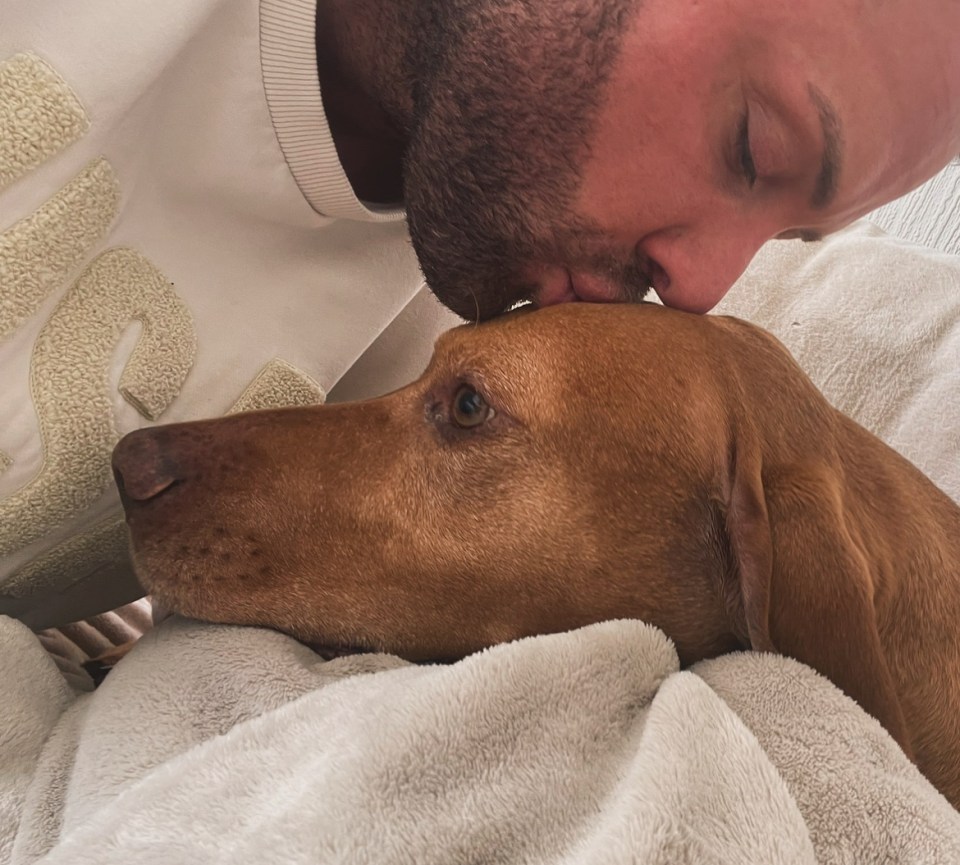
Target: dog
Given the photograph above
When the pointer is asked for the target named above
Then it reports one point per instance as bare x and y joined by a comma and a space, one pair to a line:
564, 466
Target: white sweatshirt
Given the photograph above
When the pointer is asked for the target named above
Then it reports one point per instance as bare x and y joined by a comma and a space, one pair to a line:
177, 240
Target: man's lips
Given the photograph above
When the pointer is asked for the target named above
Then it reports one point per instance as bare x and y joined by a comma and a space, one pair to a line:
556, 286
560, 285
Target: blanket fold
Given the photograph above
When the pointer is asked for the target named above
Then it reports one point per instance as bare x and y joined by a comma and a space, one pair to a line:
223, 744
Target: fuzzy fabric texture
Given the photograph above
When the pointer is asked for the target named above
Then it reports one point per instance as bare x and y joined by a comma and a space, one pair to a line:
39, 115
221, 744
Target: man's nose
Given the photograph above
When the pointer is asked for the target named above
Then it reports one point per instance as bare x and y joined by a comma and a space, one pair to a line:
703, 265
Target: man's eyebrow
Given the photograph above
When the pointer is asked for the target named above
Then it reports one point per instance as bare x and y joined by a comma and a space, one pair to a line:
828, 179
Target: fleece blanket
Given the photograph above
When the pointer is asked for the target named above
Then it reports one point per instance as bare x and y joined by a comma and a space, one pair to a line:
221, 744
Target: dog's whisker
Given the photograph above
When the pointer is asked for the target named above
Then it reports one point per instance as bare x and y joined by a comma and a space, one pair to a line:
476, 304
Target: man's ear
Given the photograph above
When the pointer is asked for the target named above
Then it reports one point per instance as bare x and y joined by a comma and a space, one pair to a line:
805, 581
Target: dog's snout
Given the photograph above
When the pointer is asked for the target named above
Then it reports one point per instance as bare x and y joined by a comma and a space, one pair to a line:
142, 468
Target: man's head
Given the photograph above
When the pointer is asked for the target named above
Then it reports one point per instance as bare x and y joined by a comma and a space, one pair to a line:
595, 148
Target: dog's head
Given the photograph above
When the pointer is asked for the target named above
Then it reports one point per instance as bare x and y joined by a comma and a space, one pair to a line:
549, 469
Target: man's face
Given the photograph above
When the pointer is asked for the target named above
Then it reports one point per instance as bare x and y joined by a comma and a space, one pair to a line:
592, 149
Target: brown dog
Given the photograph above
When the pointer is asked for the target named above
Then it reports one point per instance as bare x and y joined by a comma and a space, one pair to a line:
562, 467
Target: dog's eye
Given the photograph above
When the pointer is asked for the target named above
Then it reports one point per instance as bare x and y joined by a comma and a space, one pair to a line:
469, 408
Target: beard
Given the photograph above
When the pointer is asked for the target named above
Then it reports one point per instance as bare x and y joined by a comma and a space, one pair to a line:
506, 93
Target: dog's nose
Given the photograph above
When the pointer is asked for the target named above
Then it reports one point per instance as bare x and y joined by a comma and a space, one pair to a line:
142, 468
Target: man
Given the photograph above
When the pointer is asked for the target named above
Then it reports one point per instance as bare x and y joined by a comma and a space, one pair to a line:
231, 177
591, 150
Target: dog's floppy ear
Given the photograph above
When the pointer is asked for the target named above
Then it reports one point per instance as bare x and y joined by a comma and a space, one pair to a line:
805, 583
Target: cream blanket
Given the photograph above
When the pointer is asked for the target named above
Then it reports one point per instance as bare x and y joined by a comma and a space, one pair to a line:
219, 744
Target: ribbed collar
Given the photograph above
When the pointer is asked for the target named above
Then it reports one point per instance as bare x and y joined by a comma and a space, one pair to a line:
288, 57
